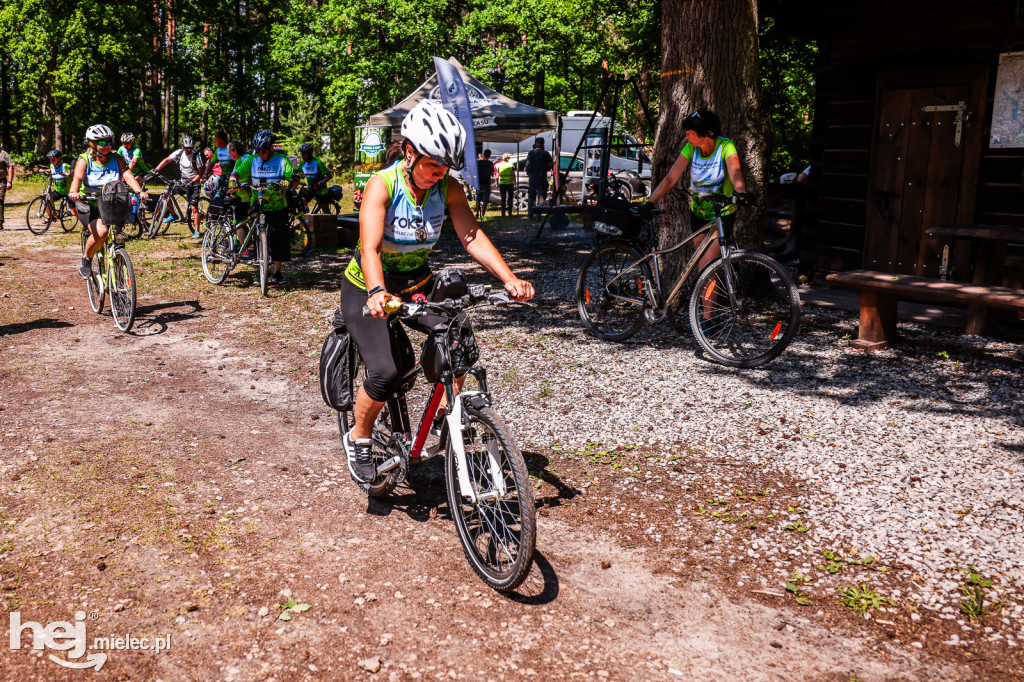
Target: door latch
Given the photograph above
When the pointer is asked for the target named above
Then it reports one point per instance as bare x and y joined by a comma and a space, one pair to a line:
961, 115
883, 199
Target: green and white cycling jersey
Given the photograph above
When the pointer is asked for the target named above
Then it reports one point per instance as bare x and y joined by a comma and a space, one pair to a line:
130, 153
61, 177
709, 175
223, 159
267, 173
314, 171
410, 230
96, 175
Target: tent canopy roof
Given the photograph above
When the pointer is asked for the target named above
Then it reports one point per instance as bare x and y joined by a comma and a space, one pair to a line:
496, 118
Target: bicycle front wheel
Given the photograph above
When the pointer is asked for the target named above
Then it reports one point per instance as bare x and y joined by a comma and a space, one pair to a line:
218, 254
122, 291
92, 284
36, 217
498, 531
764, 319
610, 291
263, 256
158, 215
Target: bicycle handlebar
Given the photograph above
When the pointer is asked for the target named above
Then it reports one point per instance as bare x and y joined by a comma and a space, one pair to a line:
479, 294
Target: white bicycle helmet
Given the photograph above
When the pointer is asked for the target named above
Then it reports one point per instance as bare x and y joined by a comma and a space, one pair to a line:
434, 132
128, 138
187, 141
99, 132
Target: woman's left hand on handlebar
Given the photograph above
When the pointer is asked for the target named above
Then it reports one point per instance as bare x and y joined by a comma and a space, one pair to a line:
521, 290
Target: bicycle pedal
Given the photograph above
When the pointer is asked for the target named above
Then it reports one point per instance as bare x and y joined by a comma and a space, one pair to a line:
388, 465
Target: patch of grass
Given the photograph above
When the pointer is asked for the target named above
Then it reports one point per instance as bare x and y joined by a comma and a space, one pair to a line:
794, 584
861, 598
974, 590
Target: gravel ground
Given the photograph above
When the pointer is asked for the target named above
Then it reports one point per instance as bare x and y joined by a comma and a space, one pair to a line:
913, 456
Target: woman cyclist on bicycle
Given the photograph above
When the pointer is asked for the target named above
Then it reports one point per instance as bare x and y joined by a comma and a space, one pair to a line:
97, 166
60, 173
399, 223
714, 169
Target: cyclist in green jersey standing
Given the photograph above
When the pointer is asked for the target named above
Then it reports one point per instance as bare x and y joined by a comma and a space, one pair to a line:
269, 170
97, 166
132, 155
315, 173
60, 173
506, 171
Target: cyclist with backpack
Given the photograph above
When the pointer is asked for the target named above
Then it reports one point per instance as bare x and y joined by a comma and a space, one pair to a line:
400, 221
271, 171
190, 164
315, 173
132, 155
97, 166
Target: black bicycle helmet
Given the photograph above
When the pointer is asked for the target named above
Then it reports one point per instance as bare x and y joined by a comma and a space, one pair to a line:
264, 140
54, 154
306, 147
704, 122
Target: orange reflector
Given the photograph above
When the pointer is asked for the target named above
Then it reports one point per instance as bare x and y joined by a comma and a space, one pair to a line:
639, 286
710, 290
588, 296
775, 332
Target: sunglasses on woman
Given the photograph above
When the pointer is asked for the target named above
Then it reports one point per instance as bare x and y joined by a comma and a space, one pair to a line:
104, 143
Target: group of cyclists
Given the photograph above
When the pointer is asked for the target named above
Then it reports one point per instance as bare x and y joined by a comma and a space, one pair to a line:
225, 171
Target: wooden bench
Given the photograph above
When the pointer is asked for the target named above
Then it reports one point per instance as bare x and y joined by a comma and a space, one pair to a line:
879, 292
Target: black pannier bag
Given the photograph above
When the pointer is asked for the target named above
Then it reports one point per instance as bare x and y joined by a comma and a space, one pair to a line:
464, 351
115, 203
612, 216
335, 192
338, 360
448, 283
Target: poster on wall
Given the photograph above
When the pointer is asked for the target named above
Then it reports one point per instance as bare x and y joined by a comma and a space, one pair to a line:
371, 142
1008, 108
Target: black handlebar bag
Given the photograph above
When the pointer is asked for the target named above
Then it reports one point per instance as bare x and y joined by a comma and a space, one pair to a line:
115, 203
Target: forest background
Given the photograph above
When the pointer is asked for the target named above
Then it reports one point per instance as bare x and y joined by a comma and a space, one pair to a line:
310, 67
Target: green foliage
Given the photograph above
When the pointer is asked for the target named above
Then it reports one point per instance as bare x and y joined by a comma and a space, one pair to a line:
861, 599
787, 86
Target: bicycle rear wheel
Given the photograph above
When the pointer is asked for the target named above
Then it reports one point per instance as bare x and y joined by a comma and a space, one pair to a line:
36, 218
158, 215
766, 316
610, 291
122, 291
92, 284
217, 252
498, 532
263, 259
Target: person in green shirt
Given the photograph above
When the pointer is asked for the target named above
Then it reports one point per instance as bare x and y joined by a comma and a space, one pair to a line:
315, 172
506, 171
271, 172
60, 173
132, 156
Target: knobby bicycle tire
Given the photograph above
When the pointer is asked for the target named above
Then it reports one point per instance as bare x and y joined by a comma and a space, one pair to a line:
217, 252
498, 536
92, 284
35, 216
609, 297
158, 215
263, 256
299, 236
67, 215
767, 314
122, 291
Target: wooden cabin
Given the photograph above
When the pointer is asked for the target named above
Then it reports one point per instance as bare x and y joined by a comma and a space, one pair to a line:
905, 92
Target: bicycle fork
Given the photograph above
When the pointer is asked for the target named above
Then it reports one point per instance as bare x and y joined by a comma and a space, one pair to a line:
456, 431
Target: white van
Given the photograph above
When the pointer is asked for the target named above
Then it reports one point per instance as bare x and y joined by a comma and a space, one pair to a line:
574, 124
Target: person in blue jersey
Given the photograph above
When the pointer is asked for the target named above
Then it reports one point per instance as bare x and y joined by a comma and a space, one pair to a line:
97, 166
60, 173
399, 223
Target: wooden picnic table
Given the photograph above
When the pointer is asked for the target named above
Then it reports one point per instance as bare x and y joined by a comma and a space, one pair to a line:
989, 261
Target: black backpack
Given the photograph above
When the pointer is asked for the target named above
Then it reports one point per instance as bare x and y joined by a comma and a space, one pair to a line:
338, 360
115, 203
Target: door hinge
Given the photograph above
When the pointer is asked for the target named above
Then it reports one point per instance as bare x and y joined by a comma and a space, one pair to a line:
961, 115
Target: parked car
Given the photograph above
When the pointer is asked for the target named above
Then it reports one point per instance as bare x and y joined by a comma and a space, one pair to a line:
626, 184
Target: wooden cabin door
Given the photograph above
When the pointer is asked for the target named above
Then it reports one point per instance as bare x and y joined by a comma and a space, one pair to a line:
916, 167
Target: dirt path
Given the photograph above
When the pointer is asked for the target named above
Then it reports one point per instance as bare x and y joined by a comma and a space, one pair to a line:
186, 480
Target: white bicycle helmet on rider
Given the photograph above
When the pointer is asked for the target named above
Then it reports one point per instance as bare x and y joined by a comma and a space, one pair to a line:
434, 132
187, 142
128, 138
99, 132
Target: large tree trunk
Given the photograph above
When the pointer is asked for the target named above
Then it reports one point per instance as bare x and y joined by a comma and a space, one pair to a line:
5, 102
710, 59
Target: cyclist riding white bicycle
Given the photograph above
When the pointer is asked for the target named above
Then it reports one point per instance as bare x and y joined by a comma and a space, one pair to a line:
97, 166
400, 221
190, 164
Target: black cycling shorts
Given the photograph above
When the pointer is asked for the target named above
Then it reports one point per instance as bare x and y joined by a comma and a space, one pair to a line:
192, 192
